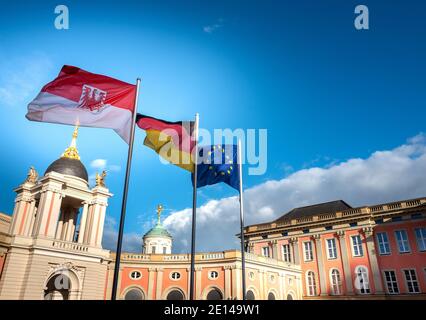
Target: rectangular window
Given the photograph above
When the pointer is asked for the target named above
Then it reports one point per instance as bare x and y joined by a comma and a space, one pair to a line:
331, 248
308, 251
265, 251
153, 249
402, 240
391, 282
411, 281
383, 243
286, 253
164, 250
421, 239
357, 246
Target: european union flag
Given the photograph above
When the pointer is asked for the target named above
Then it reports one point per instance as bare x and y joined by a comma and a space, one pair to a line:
218, 163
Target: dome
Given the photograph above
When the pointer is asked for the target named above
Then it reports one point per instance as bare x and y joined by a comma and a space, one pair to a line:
158, 232
70, 167
69, 163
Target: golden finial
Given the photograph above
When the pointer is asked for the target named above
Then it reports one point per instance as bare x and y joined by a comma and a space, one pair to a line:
159, 210
32, 175
71, 152
100, 179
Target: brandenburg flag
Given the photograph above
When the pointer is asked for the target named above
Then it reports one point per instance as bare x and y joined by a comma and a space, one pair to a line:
90, 99
173, 141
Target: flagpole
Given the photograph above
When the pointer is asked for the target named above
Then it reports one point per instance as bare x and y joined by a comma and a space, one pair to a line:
124, 201
194, 211
243, 260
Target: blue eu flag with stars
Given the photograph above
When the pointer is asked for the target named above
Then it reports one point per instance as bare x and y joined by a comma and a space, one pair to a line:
218, 163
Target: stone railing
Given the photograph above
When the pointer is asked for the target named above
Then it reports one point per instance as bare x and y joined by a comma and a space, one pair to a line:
212, 256
70, 246
372, 210
176, 257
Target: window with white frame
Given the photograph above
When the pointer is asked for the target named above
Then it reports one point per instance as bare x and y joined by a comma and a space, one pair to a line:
361, 280
175, 275
336, 282
411, 281
421, 239
286, 253
357, 246
383, 243
402, 240
311, 286
265, 251
213, 275
391, 282
308, 254
331, 248
135, 275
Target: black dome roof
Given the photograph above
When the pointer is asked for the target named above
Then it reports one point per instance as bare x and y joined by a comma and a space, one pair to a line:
71, 167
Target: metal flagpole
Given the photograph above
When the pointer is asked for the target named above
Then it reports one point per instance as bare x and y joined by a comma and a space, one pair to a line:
124, 203
194, 211
243, 260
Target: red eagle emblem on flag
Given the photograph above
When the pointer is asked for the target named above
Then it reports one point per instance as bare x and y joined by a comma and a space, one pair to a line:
92, 98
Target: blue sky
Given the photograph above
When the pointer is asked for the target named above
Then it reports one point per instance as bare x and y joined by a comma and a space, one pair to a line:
326, 92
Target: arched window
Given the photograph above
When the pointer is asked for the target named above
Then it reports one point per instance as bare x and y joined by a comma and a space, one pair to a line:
289, 297
134, 294
58, 288
214, 294
361, 280
336, 282
271, 296
175, 295
250, 295
311, 286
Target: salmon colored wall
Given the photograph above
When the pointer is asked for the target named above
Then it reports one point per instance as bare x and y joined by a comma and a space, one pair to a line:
398, 261
127, 282
308, 265
219, 282
182, 283
330, 264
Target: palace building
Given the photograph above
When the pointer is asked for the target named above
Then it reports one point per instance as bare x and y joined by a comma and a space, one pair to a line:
51, 248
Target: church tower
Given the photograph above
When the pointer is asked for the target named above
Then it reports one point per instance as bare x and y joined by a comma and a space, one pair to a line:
56, 233
157, 240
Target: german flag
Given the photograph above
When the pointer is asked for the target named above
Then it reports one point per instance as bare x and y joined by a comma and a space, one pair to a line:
173, 141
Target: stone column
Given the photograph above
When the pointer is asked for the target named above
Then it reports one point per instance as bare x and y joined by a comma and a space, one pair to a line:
58, 234
159, 283
91, 237
29, 219
228, 293
88, 228
274, 244
369, 240
345, 262
295, 250
321, 269
198, 283
101, 222
70, 225
261, 274
151, 277
83, 222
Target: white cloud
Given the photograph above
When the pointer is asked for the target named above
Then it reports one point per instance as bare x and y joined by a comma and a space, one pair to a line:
99, 164
132, 242
382, 177
213, 27
22, 78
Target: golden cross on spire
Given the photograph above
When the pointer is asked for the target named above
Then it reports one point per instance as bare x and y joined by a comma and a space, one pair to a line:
71, 152
159, 210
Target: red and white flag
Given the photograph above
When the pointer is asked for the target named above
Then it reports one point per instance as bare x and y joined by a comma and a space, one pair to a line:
90, 99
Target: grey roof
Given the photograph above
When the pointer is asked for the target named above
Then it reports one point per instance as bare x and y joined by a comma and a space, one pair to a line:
71, 167
327, 207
